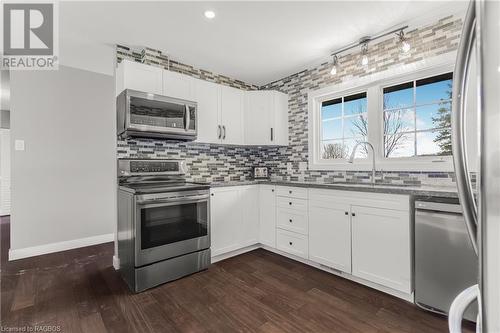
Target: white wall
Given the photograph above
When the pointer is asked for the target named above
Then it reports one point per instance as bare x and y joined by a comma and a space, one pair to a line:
64, 183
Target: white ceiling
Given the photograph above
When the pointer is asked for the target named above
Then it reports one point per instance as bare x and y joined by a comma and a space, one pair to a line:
257, 42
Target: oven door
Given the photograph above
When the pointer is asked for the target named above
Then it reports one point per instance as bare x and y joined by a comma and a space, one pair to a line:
170, 227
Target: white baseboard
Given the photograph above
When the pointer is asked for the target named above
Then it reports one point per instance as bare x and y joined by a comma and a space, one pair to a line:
234, 253
116, 262
15, 254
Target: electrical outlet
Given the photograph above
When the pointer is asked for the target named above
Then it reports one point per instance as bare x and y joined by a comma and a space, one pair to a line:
19, 145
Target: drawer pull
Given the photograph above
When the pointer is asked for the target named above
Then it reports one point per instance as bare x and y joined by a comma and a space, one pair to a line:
290, 203
272, 190
291, 243
290, 192
290, 220
346, 213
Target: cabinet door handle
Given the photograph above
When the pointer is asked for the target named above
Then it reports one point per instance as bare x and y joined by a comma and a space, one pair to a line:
290, 203
212, 194
272, 190
224, 129
290, 192
291, 243
272, 134
290, 220
219, 132
346, 213
353, 214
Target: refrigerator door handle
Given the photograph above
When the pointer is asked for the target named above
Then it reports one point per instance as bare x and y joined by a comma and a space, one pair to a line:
458, 307
459, 93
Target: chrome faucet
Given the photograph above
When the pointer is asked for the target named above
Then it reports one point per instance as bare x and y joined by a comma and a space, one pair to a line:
366, 143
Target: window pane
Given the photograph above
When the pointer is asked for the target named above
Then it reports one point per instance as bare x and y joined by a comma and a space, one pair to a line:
355, 104
434, 116
433, 143
397, 121
332, 129
399, 145
399, 96
333, 149
331, 109
433, 89
356, 126
361, 151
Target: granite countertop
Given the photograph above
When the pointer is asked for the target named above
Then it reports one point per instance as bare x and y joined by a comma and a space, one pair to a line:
416, 190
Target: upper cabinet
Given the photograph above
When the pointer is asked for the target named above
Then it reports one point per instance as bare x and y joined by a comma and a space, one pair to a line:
178, 85
207, 95
226, 115
232, 101
137, 76
266, 118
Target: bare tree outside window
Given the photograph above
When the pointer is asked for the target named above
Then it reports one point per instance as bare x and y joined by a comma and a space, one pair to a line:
334, 150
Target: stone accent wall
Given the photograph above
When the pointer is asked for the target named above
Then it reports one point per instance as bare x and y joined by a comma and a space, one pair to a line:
290, 163
210, 162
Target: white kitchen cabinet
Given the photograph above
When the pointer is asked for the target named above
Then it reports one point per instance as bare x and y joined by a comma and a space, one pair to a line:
330, 234
249, 230
220, 113
280, 120
178, 85
381, 246
138, 76
267, 212
258, 117
207, 95
234, 218
225, 219
266, 118
292, 242
231, 115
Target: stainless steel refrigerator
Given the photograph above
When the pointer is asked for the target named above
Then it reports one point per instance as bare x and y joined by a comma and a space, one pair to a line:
481, 207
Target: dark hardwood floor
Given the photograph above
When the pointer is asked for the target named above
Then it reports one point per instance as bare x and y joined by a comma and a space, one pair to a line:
79, 291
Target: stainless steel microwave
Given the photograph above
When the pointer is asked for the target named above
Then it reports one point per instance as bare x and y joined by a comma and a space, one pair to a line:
141, 114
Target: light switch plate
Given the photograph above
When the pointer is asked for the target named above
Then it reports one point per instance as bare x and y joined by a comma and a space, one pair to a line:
19, 145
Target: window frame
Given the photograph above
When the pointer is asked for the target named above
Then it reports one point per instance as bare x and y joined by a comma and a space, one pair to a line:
373, 86
343, 118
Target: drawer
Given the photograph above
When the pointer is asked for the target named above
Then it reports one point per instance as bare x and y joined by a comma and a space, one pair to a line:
293, 192
292, 203
292, 220
293, 243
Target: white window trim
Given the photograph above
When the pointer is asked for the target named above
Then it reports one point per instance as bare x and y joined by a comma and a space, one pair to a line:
373, 85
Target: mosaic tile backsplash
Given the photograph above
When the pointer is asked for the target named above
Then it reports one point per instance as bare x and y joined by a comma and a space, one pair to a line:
211, 162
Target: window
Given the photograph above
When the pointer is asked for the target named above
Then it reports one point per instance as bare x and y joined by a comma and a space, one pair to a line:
417, 118
344, 122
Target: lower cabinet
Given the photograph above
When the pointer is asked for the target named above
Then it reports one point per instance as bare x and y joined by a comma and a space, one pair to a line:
330, 234
381, 247
366, 235
292, 242
267, 212
225, 219
234, 218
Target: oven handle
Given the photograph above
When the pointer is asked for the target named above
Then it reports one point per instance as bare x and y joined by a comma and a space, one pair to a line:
173, 201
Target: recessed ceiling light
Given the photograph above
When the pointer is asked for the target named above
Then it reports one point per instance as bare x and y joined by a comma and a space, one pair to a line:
209, 14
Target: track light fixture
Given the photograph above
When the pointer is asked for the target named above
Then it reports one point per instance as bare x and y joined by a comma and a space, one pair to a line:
404, 45
333, 71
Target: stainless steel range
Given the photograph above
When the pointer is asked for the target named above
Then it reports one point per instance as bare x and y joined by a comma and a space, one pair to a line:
163, 222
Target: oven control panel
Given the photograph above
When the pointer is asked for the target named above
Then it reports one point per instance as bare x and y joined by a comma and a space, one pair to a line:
136, 167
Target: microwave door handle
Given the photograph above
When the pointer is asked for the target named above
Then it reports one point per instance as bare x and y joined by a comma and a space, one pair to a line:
187, 117
459, 95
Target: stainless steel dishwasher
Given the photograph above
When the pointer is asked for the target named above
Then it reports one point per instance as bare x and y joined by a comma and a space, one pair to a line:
445, 262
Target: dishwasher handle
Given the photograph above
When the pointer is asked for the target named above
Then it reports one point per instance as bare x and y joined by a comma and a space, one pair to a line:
438, 207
